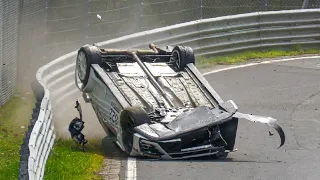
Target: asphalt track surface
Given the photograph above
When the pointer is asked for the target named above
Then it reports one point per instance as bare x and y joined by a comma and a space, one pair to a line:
288, 91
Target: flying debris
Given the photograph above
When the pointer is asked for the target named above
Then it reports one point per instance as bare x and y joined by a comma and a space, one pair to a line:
99, 17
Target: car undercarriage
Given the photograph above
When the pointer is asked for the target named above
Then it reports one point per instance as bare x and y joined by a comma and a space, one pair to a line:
156, 103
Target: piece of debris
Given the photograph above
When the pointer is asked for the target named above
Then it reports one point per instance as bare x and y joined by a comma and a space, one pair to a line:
22, 127
270, 134
99, 17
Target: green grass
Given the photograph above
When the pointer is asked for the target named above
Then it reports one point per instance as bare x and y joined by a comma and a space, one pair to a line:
204, 62
67, 161
13, 115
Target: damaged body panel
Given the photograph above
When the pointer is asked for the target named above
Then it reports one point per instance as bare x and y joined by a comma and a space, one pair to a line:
156, 103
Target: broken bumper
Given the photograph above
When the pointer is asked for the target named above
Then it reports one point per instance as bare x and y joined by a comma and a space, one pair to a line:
182, 147
271, 122
201, 132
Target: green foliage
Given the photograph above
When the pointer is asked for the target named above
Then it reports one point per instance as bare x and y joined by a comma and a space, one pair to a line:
297, 47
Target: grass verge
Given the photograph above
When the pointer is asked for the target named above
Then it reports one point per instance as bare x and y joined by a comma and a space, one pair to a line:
204, 62
67, 161
14, 115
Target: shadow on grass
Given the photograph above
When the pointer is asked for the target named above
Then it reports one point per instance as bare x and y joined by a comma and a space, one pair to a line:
111, 150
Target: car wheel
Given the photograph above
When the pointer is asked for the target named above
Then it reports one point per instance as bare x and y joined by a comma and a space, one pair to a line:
182, 55
130, 118
87, 55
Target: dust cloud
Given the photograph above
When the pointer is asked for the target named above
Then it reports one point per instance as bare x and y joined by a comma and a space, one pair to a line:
63, 114
58, 41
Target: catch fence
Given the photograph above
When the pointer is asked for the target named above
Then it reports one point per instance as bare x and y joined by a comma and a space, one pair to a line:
34, 32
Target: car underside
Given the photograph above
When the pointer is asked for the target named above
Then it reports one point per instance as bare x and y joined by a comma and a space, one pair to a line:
156, 103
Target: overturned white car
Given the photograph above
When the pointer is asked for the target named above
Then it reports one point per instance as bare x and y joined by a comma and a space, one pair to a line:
156, 103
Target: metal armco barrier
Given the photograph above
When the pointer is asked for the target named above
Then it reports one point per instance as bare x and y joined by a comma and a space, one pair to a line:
39, 138
24, 150
208, 37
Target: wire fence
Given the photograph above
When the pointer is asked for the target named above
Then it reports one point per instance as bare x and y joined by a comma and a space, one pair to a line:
34, 32
313, 4
9, 31
32, 39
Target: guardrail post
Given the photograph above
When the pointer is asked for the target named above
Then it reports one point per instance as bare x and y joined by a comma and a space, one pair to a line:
200, 8
305, 4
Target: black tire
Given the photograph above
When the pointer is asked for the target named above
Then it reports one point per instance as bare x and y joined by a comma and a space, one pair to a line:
183, 55
92, 56
130, 118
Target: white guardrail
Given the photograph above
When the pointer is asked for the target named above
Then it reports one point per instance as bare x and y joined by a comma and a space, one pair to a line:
41, 139
208, 37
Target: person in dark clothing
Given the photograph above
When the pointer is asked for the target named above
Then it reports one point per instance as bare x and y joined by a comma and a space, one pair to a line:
76, 126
